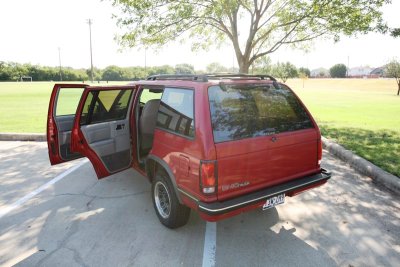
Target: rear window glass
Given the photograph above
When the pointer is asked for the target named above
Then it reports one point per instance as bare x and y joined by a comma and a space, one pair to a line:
245, 111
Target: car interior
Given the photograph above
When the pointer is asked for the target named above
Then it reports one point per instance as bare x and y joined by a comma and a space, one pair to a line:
146, 113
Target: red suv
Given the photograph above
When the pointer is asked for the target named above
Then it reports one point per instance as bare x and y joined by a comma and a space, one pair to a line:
217, 144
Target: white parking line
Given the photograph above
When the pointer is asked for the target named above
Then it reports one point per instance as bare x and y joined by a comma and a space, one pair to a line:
210, 244
24, 199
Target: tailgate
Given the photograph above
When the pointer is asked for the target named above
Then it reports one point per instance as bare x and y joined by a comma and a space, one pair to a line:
249, 165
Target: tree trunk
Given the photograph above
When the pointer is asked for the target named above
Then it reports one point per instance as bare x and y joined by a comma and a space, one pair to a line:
398, 85
243, 66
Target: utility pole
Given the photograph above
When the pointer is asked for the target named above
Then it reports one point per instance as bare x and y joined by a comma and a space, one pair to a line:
59, 61
89, 21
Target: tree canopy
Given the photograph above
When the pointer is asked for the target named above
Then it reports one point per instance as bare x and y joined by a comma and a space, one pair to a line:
184, 68
338, 71
284, 71
216, 67
254, 28
392, 70
304, 72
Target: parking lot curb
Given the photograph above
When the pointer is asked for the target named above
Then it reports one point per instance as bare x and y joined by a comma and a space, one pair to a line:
22, 137
363, 166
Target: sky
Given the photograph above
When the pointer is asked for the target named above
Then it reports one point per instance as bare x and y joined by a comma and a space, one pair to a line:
36, 31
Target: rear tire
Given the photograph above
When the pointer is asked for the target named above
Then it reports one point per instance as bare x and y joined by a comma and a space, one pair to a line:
169, 211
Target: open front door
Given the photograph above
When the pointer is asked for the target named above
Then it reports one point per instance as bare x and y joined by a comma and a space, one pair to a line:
63, 104
102, 129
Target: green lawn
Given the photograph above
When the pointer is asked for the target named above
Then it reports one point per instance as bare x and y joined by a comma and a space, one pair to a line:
361, 114
23, 106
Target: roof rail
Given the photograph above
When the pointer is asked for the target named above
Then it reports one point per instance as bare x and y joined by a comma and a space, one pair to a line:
190, 77
207, 77
241, 76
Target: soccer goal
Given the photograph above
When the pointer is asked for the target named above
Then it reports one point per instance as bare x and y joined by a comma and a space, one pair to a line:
26, 78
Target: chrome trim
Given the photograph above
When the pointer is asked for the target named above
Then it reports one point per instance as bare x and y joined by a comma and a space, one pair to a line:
187, 194
259, 198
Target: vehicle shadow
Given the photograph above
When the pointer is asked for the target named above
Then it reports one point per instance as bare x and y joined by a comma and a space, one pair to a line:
260, 238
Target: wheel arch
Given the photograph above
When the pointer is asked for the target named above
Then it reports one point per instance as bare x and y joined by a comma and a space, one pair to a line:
152, 163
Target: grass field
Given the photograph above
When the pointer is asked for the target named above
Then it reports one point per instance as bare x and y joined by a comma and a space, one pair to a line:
23, 106
361, 114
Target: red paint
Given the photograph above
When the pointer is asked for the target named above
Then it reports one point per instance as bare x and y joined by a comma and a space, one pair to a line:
241, 166
52, 130
78, 141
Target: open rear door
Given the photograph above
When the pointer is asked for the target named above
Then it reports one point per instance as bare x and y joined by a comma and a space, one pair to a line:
102, 129
63, 104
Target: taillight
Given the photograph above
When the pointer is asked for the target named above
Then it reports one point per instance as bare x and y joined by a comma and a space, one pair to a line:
208, 177
319, 152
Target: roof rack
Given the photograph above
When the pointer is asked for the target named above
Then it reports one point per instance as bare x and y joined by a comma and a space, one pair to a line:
207, 77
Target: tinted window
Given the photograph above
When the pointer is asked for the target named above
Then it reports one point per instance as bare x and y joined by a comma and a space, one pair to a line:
148, 94
244, 111
68, 100
107, 105
176, 111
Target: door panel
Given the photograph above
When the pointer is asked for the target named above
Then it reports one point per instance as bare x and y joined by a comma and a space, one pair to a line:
102, 130
65, 124
63, 104
111, 142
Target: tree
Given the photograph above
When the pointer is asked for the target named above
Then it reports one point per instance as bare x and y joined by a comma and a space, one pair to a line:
165, 69
338, 71
304, 72
392, 70
184, 69
215, 67
395, 32
254, 28
284, 71
262, 65
113, 73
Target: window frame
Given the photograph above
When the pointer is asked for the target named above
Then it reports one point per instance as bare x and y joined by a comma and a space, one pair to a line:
96, 99
191, 138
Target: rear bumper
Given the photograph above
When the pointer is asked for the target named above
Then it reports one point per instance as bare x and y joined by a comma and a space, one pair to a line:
289, 188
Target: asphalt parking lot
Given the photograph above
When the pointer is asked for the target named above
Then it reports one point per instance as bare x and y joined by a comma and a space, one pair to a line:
77, 220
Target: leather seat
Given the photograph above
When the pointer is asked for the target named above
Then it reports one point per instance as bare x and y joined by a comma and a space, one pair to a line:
147, 125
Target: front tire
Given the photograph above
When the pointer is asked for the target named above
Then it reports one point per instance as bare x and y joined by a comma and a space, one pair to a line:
169, 211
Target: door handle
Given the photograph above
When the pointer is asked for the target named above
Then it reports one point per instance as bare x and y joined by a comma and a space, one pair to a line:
120, 126
274, 139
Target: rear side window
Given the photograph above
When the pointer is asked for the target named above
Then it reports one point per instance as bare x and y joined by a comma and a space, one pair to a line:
107, 105
245, 111
175, 113
68, 100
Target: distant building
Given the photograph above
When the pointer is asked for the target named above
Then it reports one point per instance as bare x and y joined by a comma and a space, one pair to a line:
320, 73
378, 72
359, 72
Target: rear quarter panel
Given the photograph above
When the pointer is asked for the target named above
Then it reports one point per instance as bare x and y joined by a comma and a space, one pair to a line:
183, 154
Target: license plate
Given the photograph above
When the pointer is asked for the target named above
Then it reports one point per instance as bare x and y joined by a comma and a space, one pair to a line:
273, 201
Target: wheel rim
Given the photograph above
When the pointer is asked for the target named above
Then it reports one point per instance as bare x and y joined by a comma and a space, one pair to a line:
162, 200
